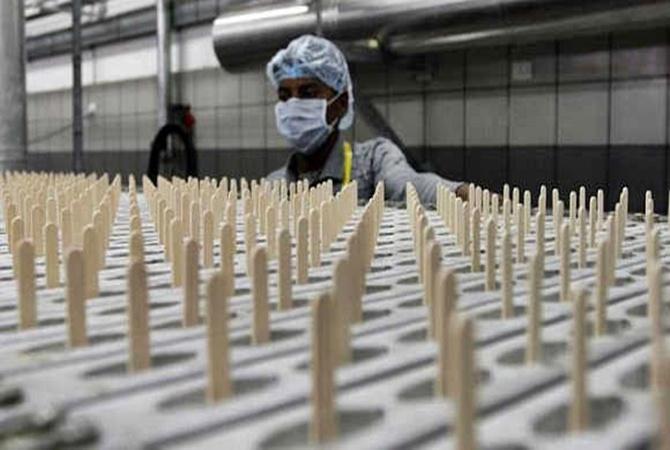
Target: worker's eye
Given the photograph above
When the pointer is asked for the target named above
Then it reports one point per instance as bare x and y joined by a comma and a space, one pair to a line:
283, 95
308, 92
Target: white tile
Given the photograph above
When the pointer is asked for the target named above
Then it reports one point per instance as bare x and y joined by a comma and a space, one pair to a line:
582, 114
444, 119
486, 118
533, 116
253, 127
639, 112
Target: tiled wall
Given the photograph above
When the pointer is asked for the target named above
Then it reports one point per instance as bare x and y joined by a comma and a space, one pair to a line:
587, 111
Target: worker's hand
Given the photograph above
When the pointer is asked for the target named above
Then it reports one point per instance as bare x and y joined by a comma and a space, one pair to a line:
462, 192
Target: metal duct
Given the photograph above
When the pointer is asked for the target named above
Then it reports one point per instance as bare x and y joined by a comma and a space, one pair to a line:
246, 35
12, 86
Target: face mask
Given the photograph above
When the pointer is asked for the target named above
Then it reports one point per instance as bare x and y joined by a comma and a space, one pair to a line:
303, 122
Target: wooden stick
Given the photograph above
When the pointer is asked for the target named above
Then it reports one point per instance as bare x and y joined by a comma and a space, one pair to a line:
572, 215
558, 224
341, 302
534, 330
476, 241
195, 221
191, 314
271, 231
37, 223
91, 262
490, 267
51, 250
579, 405
601, 209
314, 238
219, 384
655, 309
445, 301
581, 221
176, 250
601, 289
464, 393
259, 292
284, 275
520, 236
539, 239
249, 240
565, 263
139, 353
663, 402
507, 310
75, 299
592, 222
433, 261
228, 249
302, 252
208, 239
323, 426
136, 247
25, 259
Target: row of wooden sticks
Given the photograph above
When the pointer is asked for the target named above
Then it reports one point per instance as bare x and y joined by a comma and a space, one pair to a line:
453, 334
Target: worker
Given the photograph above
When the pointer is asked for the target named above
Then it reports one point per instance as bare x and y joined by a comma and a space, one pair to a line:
316, 103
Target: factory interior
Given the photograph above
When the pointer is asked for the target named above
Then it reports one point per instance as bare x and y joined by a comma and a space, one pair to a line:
341, 224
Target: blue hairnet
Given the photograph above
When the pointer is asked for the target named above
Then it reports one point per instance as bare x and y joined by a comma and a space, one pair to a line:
314, 57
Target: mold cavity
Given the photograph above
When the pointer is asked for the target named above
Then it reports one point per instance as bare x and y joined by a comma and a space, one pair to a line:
637, 378
122, 309
420, 335
495, 314
504, 447
316, 279
547, 274
641, 310
383, 255
358, 355
376, 269
196, 397
550, 352
158, 361
5, 308
275, 335
480, 287
51, 321
348, 422
60, 346
372, 314
406, 250
603, 411
406, 262
425, 389
611, 327
409, 280
10, 397
375, 288
412, 303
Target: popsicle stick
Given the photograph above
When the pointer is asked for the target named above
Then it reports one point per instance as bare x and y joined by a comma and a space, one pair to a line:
475, 261
314, 238
249, 240
259, 292
601, 290
572, 214
655, 308
75, 299
445, 301
592, 222
219, 383
136, 247
534, 330
663, 402
208, 240
302, 246
191, 314
169, 217
462, 331
135, 224
323, 425
540, 228
507, 307
579, 418
558, 224
91, 262
565, 263
52, 260
520, 236
581, 226
228, 249
284, 272
176, 252
18, 233
490, 268
341, 303
433, 260
25, 276
37, 223
271, 230
139, 352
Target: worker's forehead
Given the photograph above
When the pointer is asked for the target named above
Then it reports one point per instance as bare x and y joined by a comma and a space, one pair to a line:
292, 83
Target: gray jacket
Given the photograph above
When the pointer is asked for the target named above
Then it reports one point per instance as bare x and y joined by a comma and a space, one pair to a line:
373, 161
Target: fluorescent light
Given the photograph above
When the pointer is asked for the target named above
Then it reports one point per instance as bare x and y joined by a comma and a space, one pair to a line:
261, 15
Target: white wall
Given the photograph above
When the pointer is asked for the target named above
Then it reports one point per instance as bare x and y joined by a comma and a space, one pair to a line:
191, 50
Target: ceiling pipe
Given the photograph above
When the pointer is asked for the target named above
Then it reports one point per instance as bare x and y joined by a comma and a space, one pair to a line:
246, 35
